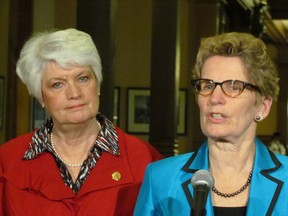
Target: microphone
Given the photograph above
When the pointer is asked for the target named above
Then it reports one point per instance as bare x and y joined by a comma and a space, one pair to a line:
202, 182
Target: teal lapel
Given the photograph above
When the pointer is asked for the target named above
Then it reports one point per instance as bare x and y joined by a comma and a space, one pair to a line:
199, 160
265, 186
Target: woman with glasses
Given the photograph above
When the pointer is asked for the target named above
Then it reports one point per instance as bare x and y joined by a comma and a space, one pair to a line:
233, 172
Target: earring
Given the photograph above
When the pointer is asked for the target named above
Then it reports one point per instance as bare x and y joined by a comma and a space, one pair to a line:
43, 105
258, 118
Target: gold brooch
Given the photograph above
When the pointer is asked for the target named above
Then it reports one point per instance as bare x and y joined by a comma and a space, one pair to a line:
116, 176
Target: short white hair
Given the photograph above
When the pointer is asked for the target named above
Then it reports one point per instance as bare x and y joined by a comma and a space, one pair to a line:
67, 48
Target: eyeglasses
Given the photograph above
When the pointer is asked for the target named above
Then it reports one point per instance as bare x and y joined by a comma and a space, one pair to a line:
231, 88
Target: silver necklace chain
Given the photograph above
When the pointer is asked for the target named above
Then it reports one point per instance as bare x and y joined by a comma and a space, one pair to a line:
229, 195
60, 158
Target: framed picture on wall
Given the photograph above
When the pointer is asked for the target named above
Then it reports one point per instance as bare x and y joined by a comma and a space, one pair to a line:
138, 110
1, 101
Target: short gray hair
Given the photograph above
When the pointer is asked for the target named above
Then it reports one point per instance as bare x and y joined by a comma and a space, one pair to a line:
67, 48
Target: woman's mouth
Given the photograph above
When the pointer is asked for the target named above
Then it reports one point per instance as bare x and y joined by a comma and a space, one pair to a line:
217, 115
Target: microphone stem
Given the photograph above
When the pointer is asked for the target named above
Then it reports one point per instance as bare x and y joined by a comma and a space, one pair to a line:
199, 200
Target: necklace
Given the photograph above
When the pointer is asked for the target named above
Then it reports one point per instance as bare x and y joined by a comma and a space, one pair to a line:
57, 154
229, 195
60, 158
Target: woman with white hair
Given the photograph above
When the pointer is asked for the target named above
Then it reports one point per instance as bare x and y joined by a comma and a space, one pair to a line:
77, 162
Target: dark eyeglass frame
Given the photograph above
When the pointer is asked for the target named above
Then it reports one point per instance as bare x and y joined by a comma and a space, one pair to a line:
196, 85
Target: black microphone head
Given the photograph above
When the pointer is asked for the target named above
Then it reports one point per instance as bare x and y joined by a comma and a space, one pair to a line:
202, 177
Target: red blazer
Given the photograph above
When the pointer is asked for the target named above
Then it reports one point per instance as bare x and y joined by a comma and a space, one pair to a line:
35, 187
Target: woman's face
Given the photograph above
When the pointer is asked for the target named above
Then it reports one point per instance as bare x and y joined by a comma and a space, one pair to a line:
223, 118
70, 96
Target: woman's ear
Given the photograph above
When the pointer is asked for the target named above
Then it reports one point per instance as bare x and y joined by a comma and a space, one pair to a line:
41, 103
265, 107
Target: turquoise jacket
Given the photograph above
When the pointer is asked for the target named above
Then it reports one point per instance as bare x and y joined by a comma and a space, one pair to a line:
167, 190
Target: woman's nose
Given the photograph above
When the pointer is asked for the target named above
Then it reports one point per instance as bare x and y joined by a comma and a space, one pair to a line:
217, 96
73, 91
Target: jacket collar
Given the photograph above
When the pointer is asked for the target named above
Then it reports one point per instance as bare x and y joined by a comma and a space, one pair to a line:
265, 163
107, 140
264, 179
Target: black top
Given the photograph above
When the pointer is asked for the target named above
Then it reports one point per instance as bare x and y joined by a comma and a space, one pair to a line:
228, 211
